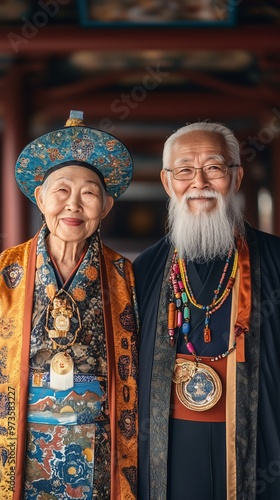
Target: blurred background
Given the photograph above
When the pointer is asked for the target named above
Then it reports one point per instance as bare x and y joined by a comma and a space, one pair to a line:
140, 69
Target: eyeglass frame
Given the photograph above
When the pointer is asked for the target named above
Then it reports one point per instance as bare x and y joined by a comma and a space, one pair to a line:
234, 165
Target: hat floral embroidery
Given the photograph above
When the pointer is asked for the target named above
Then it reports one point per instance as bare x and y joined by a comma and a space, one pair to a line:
75, 144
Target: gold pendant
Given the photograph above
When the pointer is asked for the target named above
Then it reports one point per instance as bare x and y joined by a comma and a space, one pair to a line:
53, 334
61, 312
58, 319
198, 386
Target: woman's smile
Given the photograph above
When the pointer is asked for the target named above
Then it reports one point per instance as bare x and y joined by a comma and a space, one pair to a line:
72, 221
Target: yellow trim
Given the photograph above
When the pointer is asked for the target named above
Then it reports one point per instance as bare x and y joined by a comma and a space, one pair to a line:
121, 290
12, 315
231, 400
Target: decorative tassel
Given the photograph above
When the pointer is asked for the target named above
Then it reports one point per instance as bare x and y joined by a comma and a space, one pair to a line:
171, 322
207, 334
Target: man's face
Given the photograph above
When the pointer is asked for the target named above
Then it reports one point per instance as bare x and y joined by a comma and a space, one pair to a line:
199, 149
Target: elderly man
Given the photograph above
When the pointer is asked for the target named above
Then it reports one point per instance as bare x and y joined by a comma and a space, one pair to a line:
208, 295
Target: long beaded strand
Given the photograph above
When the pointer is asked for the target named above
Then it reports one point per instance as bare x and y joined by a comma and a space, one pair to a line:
212, 307
175, 315
179, 312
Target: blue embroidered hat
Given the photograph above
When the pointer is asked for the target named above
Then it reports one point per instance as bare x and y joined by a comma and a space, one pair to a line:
75, 144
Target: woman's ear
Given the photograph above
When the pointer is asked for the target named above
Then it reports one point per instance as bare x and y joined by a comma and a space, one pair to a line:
108, 206
38, 198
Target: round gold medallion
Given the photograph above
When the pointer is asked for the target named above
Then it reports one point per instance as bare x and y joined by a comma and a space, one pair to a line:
62, 363
198, 386
61, 372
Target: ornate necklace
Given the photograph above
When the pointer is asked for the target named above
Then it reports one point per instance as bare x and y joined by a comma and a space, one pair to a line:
179, 310
61, 312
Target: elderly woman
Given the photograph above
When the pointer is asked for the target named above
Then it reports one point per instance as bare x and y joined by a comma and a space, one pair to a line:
68, 401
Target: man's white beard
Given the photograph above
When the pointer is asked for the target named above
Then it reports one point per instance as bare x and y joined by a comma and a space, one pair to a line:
203, 236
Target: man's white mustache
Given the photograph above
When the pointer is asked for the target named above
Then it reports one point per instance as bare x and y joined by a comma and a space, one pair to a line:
200, 194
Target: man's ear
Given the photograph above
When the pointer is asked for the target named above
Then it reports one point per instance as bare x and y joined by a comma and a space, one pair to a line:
164, 180
38, 198
239, 177
108, 206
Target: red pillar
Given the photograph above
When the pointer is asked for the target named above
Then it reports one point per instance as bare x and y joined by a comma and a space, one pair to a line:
14, 205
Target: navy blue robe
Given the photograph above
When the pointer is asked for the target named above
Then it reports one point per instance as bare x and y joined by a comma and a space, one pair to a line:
258, 393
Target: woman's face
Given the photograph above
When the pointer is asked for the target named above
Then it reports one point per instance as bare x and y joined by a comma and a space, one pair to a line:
73, 203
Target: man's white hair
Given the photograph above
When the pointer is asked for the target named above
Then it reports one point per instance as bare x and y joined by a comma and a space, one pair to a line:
232, 144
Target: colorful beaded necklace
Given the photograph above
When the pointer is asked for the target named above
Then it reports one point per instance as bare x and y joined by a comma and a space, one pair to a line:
182, 295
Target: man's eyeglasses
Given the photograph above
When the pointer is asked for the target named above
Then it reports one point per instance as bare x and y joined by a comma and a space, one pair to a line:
188, 173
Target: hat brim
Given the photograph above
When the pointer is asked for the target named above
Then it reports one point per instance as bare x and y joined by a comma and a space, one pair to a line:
75, 145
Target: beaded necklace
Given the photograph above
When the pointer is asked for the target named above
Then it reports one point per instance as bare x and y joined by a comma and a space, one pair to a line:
179, 310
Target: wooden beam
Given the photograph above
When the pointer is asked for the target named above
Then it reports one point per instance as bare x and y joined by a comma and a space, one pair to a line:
156, 106
158, 78
30, 38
